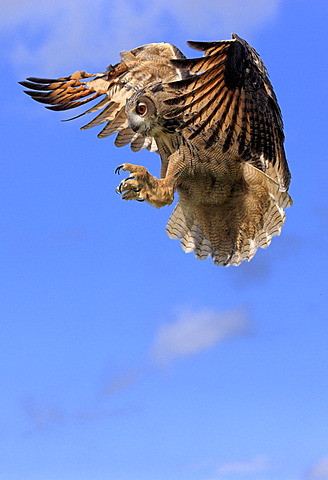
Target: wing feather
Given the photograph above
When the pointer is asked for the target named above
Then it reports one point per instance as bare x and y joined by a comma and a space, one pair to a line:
124, 137
138, 69
229, 97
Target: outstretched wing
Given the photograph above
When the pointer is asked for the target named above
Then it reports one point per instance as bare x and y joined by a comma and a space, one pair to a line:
229, 98
138, 69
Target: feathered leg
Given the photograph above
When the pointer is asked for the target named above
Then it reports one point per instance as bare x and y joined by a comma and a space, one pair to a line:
141, 185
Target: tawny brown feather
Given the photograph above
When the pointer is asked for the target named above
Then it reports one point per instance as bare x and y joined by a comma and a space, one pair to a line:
215, 122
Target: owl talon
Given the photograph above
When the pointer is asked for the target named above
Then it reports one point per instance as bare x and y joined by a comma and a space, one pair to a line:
132, 195
119, 189
119, 168
132, 187
127, 187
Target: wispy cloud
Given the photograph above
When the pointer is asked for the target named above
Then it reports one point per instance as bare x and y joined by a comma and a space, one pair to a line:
41, 417
254, 465
122, 381
319, 471
193, 332
57, 34
47, 415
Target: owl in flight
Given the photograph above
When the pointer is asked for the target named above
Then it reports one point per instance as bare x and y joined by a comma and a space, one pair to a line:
217, 126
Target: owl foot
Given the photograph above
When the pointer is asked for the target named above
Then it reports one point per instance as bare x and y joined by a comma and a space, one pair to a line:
141, 185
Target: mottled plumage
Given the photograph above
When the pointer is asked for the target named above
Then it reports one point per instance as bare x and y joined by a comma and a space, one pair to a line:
216, 124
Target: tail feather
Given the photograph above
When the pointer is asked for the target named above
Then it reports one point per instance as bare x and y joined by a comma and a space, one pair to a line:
232, 232
183, 225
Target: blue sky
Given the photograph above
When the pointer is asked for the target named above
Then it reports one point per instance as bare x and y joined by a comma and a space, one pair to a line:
121, 356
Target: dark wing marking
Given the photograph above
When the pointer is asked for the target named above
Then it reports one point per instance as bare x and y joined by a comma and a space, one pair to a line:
229, 98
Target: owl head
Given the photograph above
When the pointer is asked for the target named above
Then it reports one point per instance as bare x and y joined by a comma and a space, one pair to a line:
146, 112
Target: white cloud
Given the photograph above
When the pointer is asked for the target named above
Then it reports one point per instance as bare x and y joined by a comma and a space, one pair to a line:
58, 34
320, 470
228, 15
193, 332
254, 465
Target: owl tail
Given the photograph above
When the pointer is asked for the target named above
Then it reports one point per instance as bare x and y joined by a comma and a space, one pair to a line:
232, 231
183, 225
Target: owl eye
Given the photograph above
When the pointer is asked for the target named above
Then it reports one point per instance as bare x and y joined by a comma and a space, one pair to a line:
141, 109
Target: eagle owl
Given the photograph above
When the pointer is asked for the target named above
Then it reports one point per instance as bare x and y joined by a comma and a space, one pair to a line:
217, 126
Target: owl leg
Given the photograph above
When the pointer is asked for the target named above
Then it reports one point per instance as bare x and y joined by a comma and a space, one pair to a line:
141, 185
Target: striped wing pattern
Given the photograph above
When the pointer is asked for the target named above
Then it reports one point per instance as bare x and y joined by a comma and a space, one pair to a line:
229, 98
138, 69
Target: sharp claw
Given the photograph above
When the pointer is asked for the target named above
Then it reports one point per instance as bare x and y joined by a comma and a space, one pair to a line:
118, 189
119, 168
124, 188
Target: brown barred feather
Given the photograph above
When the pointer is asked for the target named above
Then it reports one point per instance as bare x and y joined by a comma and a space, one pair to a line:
215, 122
235, 66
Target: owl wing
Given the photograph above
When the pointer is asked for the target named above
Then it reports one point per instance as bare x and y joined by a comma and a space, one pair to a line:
138, 69
228, 98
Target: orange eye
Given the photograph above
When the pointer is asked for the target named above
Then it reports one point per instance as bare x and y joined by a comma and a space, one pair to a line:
141, 109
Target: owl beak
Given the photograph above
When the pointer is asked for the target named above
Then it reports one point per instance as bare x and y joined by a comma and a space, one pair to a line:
137, 124
134, 125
